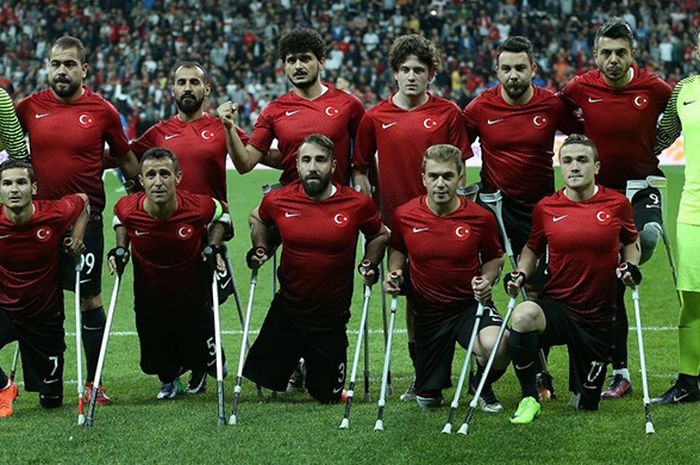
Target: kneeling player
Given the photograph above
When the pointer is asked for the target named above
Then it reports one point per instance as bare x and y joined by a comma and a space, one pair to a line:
31, 296
582, 226
319, 222
454, 253
167, 230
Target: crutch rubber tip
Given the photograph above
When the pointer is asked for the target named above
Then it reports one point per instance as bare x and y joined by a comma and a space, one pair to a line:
220, 421
447, 429
379, 425
345, 424
463, 429
81, 419
650, 428
232, 420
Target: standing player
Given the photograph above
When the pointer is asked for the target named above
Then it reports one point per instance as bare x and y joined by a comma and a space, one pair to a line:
313, 106
168, 229
31, 298
319, 222
11, 135
68, 126
400, 129
621, 104
453, 250
683, 114
583, 227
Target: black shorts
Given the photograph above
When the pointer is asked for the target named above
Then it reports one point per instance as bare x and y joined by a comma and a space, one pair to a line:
91, 274
41, 346
283, 341
590, 351
435, 345
647, 207
173, 344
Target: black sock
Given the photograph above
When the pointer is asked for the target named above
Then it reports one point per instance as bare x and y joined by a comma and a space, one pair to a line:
621, 332
412, 353
685, 381
3, 379
523, 350
93, 328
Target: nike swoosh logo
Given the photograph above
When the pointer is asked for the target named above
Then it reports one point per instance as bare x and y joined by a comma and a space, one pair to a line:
40, 115
525, 367
558, 218
493, 121
688, 102
141, 233
388, 125
336, 391
417, 230
291, 215
594, 100
680, 398
290, 113
51, 381
211, 363
5, 236
171, 136
224, 284
653, 206
83, 281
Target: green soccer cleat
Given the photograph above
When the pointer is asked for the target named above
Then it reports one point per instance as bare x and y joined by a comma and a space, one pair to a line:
528, 410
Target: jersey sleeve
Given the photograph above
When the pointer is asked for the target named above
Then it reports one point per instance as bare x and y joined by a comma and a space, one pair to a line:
71, 206
628, 230
267, 208
670, 127
11, 134
471, 119
119, 212
490, 246
365, 144
569, 94
457, 133
114, 133
396, 241
537, 240
369, 223
569, 121
357, 111
242, 135
144, 142
263, 131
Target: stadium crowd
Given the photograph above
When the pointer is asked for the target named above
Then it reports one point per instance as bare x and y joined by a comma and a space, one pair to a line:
132, 45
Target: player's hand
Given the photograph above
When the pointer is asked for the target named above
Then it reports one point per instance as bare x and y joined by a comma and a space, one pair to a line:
117, 258
256, 256
482, 288
213, 259
513, 281
392, 282
74, 246
369, 272
629, 274
228, 112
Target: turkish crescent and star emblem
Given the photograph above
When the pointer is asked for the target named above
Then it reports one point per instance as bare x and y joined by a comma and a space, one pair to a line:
184, 231
331, 111
340, 220
462, 232
603, 217
86, 120
540, 121
43, 234
430, 124
207, 135
640, 101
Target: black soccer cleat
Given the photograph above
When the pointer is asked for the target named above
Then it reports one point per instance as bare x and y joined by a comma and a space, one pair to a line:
677, 395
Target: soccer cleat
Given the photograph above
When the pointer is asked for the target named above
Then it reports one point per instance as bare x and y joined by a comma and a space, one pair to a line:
677, 395
197, 383
429, 400
619, 386
528, 410
102, 397
7, 397
410, 394
296, 381
488, 402
170, 390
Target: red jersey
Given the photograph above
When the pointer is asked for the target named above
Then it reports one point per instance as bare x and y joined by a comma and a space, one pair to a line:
31, 287
621, 123
444, 254
400, 138
67, 140
169, 274
200, 147
583, 239
319, 241
290, 118
518, 139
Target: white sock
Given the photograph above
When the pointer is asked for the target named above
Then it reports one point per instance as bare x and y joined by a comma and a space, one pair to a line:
624, 372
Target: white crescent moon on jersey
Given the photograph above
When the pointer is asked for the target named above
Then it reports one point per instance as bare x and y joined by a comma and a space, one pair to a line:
603, 217
330, 111
461, 231
42, 233
339, 218
207, 134
539, 120
184, 232
429, 123
84, 119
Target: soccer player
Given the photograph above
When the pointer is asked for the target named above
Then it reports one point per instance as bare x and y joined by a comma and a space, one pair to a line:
318, 221
453, 249
68, 126
583, 227
168, 229
681, 115
312, 106
400, 129
11, 135
31, 297
621, 105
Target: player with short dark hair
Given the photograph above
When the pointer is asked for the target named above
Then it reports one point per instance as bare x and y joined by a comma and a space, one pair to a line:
621, 105
453, 250
31, 297
582, 227
394, 134
312, 106
319, 222
68, 126
168, 229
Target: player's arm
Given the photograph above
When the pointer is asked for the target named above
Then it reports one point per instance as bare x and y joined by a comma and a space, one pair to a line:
669, 127
489, 273
260, 237
363, 155
77, 236
244, 157
118, 257
526, 266
628, 271
216, 234
395, 266
374, 252
361, 182
128, 165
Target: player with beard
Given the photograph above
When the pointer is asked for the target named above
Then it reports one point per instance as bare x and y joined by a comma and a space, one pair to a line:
621, 105
68, 126
312, 107
319, 222
399, 130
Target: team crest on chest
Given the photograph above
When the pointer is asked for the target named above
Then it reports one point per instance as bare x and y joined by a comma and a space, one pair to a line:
331, 111
184, 231
207, 135
430, 124
86, 120
640, 101
43, 234
340, 220
603, 217
540, 121
462, 232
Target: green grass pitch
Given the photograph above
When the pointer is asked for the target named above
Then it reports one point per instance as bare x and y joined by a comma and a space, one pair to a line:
294, 429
